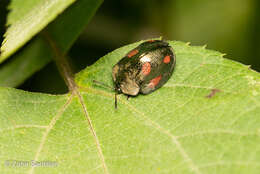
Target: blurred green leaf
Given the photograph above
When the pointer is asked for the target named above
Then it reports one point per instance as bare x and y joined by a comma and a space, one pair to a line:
26, 19
215, 23
31, 59
204, 120
64, 31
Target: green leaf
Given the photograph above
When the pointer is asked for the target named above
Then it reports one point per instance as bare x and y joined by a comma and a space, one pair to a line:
37, 53
31, 59
28, 18
205, 119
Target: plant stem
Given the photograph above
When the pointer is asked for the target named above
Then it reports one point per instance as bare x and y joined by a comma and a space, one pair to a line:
61, 62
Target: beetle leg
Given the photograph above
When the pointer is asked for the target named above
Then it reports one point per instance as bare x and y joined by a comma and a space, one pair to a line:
115, 100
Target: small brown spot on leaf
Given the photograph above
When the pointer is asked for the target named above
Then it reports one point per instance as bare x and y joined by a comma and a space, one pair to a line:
202, 64
213, 92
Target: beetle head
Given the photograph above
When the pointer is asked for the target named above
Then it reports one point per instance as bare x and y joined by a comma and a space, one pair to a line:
127, 86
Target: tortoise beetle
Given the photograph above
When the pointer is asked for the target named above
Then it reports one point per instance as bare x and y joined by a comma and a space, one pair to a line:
143, 69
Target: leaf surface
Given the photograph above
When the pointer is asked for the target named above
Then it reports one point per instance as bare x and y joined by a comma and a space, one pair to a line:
205, 119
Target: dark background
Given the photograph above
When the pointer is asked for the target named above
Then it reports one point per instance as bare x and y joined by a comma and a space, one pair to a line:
228, 26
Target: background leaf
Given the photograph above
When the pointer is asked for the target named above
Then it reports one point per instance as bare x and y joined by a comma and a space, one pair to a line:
27, 19
31, 59
184, 127
37, 53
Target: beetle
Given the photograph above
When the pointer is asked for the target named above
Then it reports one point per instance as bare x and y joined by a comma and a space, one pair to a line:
143, 69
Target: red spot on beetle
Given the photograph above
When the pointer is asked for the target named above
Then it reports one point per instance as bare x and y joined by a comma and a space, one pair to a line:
151, 41
132, 53
146, 68
167, 59
155, 81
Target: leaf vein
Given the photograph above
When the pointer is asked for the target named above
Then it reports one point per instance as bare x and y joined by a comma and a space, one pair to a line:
23, 126
217, 131
92, 131
48, 129
182, 151
221, 163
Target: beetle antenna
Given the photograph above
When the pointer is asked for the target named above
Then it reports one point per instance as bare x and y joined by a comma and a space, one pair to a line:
116, 100
103, 84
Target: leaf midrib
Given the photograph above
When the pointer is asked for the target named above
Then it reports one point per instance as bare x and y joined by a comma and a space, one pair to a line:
93, 132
